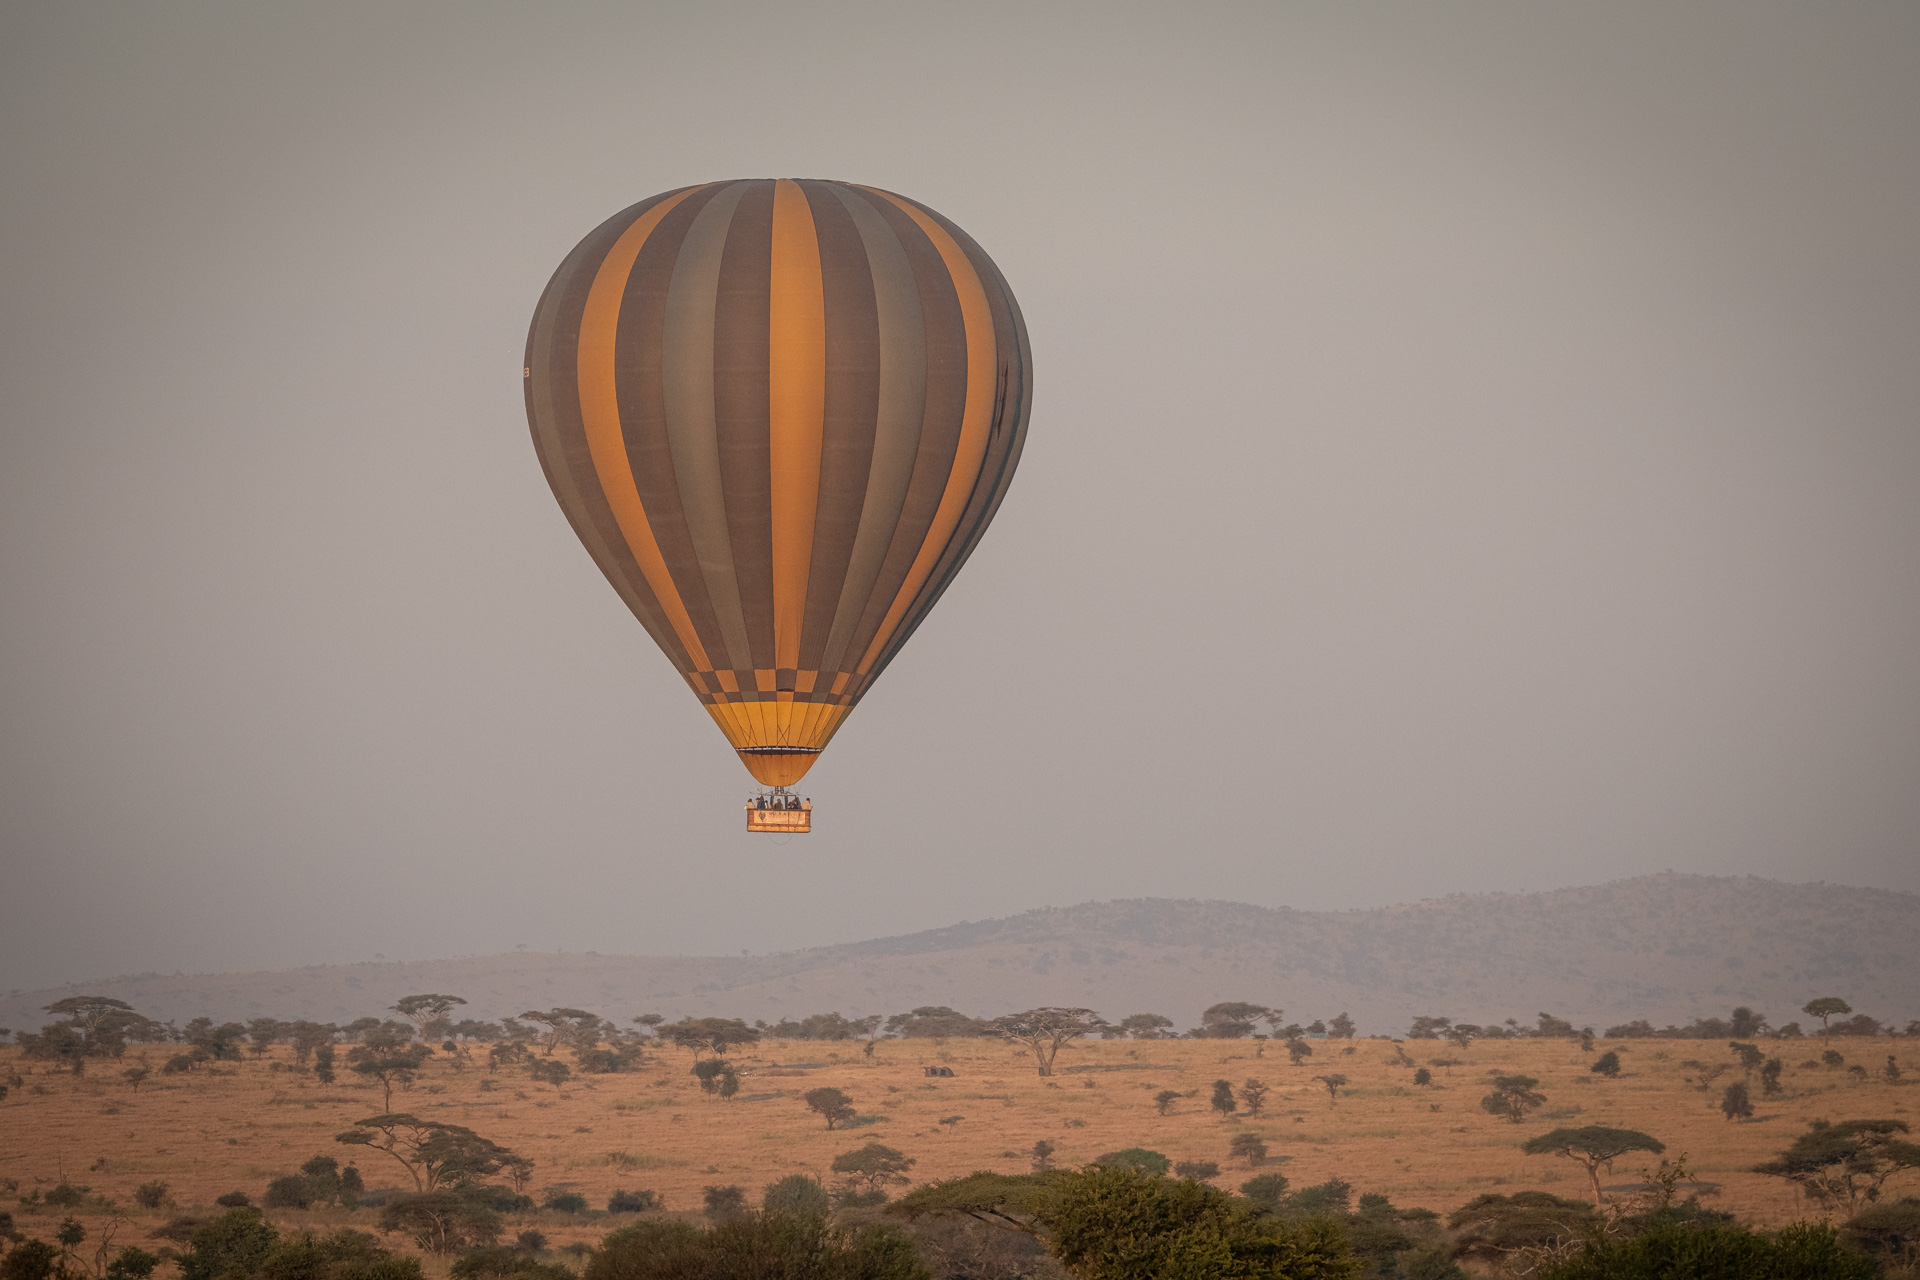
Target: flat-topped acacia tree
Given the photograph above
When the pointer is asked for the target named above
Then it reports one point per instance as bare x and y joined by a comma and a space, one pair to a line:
1045, 1031
1592, 1147
1846, 1163
1233, 1020
424, 1008
1145, 1026
574, 1027
719, 1035
435, 1153
1826, 1008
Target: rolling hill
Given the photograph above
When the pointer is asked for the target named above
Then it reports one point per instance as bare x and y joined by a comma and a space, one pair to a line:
1666, 947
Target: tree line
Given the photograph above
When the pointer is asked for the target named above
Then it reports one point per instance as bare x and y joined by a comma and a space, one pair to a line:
391, 1050
1743, 1023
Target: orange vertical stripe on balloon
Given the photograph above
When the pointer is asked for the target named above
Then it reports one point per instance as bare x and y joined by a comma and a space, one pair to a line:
796, 408
600, 415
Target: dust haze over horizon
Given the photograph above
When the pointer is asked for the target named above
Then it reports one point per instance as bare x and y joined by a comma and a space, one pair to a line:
1473, 449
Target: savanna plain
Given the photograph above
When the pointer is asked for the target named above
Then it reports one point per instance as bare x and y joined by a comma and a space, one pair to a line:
236, 1125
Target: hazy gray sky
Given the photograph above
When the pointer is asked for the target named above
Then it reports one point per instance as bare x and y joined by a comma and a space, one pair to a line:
1474, 447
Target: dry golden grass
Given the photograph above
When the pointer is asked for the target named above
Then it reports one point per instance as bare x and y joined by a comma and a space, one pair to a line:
233, 1126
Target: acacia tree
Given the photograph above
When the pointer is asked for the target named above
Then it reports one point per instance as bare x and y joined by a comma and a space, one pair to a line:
1249, 1147
1145, 1026
1513, 1097
936, 1022
717, 1076
876, 1165
1298, 1051
441, 1221
576, 1027
94, 1027
1254, 1094
1223, 1100
424, 1009
1233, 1020
397, 1066
1047, 1030
717, 1034
1333, 1084
1846, 1163
549, 1071
1340, 1026
830, 1103
265, 1033
1593, 1146
1826, 1008
435, 1154
221, 1042
308, 1036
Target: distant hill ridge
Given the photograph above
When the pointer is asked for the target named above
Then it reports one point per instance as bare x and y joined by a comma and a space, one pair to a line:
1665, 947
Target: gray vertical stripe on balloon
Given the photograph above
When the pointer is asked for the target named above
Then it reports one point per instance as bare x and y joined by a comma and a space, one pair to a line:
687, 381
559, 439
902, 409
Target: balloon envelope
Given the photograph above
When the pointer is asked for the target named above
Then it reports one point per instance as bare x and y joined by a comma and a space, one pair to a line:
779, 414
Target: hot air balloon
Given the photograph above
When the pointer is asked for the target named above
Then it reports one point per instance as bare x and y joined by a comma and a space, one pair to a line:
779, 414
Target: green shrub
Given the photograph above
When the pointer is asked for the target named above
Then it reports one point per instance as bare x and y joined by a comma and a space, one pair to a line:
1119, 1223
1136, 1158
482, 1264
1805, 1251
567, 1202
231, 1247
344, 1255
797, 1193
1267, 1190
632, 1202
1430, 1262
498, 1199
132, 1263
1327, 1199
722, 1203
790, 1246
31, 1260
290, 1192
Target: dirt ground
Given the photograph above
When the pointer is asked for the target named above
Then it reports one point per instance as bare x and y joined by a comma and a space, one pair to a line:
233, 1126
